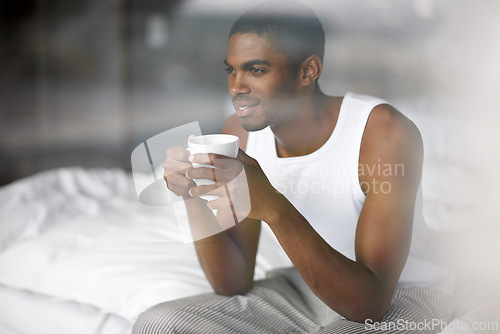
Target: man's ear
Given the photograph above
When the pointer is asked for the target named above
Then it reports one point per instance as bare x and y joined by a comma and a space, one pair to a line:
310, 70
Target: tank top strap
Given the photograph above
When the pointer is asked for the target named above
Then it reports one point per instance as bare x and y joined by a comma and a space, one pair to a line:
354, 114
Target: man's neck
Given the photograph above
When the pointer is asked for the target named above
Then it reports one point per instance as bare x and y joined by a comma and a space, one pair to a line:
310, 128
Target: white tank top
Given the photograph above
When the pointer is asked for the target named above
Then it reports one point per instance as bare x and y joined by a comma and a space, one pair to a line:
324, 187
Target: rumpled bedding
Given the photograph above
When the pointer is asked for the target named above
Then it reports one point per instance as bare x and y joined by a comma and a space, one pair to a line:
82, 235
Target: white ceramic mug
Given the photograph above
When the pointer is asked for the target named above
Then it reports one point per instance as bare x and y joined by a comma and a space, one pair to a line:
219, 144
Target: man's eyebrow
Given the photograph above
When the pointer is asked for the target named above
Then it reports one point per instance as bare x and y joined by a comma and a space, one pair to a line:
254, 62
251, 63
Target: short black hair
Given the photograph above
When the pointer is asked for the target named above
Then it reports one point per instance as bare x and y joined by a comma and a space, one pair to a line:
292, 28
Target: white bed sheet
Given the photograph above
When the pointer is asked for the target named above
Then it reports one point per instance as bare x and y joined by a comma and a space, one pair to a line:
82, 236
24, 312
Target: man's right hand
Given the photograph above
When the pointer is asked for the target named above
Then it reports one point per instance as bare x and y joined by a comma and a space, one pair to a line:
175, 167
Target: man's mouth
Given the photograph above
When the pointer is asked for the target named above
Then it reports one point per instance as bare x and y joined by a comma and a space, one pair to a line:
245, 109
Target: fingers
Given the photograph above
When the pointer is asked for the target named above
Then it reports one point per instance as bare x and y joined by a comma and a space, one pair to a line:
179, 180
178, 153
177, 160
215, 189
175, 167
214, 174
220, 203
203, 173
216, 160
179, 191
179, 184
175, 174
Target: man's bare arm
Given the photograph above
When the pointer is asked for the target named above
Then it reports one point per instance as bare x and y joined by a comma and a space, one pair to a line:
362, 289
228, 258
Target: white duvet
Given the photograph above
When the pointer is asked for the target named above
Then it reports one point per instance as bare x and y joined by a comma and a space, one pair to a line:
81, 235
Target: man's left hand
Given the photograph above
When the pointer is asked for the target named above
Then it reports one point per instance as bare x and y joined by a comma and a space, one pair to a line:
240, 183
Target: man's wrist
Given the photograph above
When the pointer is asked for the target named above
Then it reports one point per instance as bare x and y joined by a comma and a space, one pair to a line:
279, 208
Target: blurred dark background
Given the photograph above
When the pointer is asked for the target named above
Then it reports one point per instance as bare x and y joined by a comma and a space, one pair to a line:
84, 82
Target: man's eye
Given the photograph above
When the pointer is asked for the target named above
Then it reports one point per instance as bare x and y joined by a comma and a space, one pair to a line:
256, 70
229, 70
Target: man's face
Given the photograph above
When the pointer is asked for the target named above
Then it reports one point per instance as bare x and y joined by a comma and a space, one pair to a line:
259, 82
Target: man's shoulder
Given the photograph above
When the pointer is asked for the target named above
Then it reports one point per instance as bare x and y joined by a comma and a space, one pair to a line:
386, 123
388, 131
233, 126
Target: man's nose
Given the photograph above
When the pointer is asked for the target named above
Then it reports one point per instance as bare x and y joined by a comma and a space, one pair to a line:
238, 85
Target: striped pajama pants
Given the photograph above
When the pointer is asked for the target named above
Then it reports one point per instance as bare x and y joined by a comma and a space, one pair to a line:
283, 303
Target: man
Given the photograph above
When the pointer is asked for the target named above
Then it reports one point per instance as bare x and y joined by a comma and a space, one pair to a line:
335, 178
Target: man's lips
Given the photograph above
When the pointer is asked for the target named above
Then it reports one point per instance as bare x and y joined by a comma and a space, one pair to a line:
244, 108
